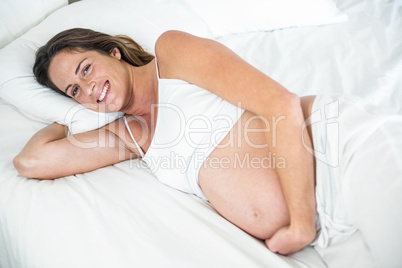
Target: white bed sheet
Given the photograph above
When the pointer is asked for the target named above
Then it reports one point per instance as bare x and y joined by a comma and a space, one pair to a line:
121, 216
362, 56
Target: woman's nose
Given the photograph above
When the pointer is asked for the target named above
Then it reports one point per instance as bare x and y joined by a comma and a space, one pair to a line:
89, 88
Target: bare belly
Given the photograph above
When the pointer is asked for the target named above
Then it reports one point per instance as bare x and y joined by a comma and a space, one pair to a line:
240, 180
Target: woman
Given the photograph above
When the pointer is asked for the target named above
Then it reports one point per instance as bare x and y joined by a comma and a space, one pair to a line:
186, 86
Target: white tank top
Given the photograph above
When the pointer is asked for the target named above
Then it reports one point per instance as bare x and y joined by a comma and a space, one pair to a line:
191, 122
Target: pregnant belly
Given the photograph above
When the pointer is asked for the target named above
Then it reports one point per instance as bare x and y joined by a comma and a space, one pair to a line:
239, 178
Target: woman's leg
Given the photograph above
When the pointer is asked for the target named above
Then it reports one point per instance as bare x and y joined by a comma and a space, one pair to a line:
358, 148
372, 191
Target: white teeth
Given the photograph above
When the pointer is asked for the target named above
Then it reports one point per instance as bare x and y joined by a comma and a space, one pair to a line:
104, 91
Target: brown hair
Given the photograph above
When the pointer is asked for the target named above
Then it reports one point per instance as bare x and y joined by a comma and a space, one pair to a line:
84, 40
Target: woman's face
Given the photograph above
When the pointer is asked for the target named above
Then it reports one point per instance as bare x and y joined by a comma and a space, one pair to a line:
99, 82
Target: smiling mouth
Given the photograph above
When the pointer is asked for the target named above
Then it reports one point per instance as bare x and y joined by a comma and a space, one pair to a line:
104, 92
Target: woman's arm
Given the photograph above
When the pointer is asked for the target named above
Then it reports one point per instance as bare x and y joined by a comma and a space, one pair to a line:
214, 67
51, 154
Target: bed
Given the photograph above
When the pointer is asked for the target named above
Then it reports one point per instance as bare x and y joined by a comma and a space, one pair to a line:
121, 216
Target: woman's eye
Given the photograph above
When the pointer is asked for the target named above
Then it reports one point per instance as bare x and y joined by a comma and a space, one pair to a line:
75, 91
86, 69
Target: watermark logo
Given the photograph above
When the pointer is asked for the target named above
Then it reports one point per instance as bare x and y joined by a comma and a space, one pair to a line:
193, 129
326, 148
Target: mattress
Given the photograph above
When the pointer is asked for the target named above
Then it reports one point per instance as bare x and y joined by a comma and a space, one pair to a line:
121, 216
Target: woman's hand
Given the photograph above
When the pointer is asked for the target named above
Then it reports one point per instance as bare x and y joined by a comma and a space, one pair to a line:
289, 239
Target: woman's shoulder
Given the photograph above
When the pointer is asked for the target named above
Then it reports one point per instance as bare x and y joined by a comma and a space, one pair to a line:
180, 55
168, 50
170, 39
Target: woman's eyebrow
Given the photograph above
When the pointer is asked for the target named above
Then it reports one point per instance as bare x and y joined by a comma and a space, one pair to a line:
65, 91
76, 72
79, 66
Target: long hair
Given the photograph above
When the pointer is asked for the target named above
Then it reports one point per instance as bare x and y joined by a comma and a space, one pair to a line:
85, 40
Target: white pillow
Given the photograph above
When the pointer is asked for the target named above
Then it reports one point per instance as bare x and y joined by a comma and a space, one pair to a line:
140, 20
18, 16
226, 17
